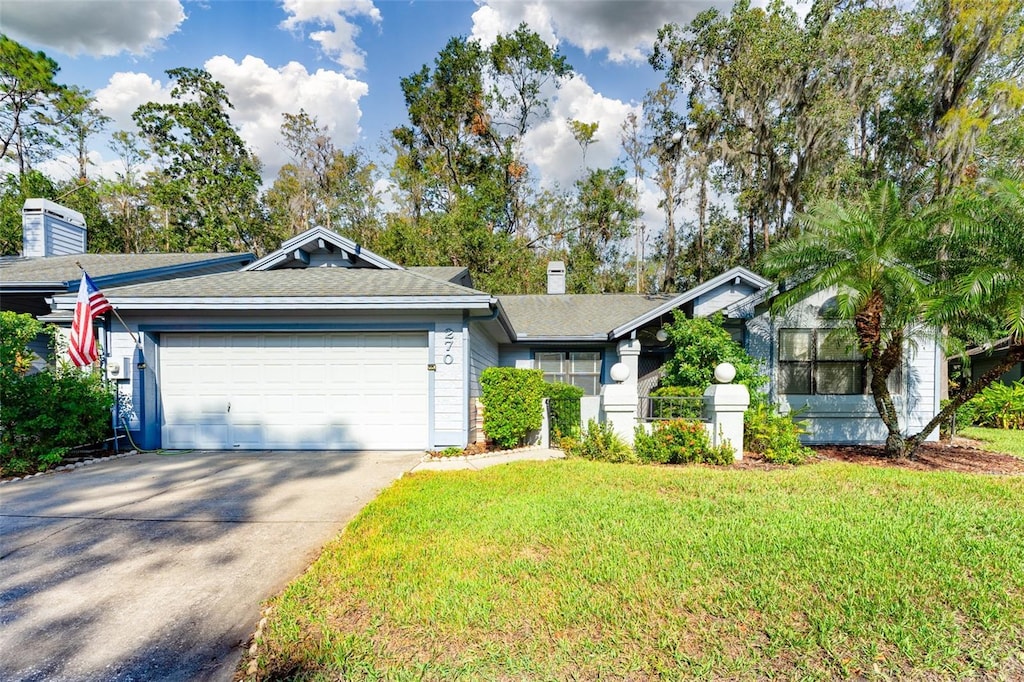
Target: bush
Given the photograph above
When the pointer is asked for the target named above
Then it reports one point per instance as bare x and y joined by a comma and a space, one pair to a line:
679, 441
999, 406
564, 408
699, 345
599, 442
44, 415
512, 403
775, 436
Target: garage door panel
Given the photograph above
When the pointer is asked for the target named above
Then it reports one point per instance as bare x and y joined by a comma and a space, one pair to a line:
294, 391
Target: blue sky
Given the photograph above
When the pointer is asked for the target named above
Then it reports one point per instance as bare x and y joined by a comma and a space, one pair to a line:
342, 60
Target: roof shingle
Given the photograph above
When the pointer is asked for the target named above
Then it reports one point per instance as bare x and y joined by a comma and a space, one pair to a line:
98, 265
306, 283
574, 315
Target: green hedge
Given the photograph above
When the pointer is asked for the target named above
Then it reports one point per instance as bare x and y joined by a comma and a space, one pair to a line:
512, 403
43, 415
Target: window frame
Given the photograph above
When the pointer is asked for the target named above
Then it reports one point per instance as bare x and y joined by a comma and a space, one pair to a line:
567, 373
814, 363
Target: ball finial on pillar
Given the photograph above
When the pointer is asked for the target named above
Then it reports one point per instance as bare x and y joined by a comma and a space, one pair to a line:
725, 372
619, 372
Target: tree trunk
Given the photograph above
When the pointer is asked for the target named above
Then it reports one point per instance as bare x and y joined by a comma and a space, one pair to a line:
1014, 355
702, 210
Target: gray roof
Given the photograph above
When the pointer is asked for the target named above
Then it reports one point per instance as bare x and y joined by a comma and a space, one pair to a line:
445, 273
55, 269
297, 283
574, 315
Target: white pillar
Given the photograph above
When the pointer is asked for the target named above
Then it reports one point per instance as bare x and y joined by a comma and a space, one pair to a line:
619, 400
629, 355
725, 404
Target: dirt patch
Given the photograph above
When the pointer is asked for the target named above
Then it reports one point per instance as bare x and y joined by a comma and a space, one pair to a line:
961, 455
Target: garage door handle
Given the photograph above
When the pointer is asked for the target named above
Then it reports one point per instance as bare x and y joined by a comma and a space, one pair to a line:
229, 407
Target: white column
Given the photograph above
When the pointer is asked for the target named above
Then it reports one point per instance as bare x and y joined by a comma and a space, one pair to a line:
619, 400
629, 355
724, 404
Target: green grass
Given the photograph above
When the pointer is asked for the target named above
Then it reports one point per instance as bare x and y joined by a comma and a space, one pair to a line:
585, 570
997, 440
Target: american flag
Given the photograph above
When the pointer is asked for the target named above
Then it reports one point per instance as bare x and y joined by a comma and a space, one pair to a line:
91, 303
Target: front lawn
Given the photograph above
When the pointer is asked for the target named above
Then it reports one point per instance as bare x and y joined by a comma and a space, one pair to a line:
996, 440
582, 570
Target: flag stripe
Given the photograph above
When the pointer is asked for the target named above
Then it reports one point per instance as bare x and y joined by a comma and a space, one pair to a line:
90, 304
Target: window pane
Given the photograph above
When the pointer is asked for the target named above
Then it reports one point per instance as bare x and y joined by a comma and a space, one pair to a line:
589, 383
837, 345
585, 363
840, 378
795, 344
795, 378
550, 362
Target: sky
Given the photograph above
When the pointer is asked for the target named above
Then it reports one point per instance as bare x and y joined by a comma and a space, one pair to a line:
342, 61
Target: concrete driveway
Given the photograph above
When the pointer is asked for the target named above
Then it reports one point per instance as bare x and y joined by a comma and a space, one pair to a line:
153, 567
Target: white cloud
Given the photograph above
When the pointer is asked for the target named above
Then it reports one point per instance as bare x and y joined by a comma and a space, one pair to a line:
260, 95
550, 146
625, 30
123, 94
100, 28
339, 31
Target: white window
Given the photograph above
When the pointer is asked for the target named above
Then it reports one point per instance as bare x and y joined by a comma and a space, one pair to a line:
579, 368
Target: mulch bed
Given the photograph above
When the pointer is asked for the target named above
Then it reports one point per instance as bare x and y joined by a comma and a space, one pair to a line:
961, 455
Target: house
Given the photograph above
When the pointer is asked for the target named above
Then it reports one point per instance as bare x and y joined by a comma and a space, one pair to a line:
326, 345
53, 257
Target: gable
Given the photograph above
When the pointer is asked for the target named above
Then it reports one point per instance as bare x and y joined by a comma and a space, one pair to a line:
318, 248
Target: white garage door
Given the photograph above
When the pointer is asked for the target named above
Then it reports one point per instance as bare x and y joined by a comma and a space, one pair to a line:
254, 391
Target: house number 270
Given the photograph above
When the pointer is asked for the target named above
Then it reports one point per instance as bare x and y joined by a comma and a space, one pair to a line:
449, 341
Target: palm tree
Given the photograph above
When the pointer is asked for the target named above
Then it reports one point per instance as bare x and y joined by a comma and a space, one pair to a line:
866, 251
984, 298
879, 253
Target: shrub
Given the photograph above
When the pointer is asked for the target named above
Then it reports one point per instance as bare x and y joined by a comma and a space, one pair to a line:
700, 344
998, 406
564, 408
775, 436
679, 441
44, 415
599, 442
512, 403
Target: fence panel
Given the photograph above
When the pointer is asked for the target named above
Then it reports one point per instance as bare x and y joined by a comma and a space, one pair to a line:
564, 418
663, 407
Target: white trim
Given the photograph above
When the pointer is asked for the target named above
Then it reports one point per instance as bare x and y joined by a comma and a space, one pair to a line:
291, 303
756, 281
284, 252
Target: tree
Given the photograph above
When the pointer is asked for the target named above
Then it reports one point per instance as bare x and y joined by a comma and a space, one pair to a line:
603, 215
666, 129
13, 193
77, 120
27, 91
209, 181
126, 201
323, 185
879, 255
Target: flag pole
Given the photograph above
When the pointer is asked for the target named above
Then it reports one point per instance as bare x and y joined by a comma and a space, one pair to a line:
117, 314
